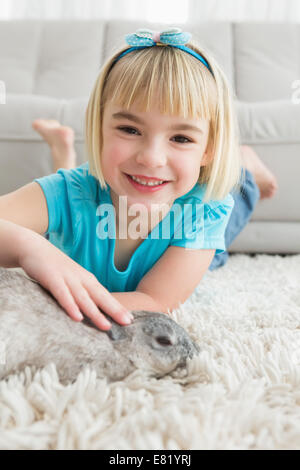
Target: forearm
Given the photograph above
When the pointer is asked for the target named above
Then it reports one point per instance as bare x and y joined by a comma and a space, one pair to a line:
13, 238
138, 301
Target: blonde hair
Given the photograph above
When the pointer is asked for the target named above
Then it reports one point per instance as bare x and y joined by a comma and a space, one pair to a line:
185, 88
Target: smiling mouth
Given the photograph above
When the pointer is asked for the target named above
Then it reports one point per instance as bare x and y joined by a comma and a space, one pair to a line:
151, 180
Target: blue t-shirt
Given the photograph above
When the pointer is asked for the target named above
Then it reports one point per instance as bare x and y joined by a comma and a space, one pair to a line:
82, 225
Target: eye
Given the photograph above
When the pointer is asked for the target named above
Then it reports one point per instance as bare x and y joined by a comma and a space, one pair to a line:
131, 130
182, 137
164, 340
127, 129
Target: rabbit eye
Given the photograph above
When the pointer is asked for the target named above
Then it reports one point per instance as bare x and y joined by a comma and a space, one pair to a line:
164, 340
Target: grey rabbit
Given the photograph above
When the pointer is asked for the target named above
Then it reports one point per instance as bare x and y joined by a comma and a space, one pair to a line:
35, 330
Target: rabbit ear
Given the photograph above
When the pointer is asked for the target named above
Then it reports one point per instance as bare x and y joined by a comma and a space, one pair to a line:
116, 332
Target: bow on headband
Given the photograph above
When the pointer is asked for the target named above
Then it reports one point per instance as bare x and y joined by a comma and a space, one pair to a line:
174, 37
147, 37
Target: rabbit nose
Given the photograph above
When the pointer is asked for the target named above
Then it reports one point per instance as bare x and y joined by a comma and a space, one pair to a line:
164, 340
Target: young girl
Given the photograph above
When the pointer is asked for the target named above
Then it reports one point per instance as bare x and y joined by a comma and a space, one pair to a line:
161, 134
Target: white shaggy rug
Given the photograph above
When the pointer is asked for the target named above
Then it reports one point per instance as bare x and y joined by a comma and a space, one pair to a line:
242, 392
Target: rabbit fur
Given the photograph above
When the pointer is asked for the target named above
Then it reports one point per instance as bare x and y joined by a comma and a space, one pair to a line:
35, 330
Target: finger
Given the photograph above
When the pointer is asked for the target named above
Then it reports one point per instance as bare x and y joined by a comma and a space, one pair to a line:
62, 294
106, 302
88, 307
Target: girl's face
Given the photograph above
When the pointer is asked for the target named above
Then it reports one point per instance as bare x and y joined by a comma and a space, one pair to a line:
154, 145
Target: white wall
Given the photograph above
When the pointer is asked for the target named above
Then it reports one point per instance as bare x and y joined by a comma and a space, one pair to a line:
163, 11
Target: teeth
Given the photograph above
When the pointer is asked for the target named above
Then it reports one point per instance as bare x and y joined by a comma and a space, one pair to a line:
145, 183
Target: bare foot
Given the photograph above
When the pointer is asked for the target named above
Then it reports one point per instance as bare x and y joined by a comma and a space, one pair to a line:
61, 141
264, 178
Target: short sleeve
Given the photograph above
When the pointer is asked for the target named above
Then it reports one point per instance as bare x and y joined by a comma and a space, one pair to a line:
65, 192
55, 190
203, 225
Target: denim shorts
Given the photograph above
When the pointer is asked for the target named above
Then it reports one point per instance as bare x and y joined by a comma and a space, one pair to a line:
245, 201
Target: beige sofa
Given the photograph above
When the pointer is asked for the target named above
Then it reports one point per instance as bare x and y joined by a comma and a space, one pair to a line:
49, 68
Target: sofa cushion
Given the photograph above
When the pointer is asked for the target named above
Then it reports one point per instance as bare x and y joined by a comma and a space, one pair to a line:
20, 110
59, 59
266, 60
269, 122
19, 44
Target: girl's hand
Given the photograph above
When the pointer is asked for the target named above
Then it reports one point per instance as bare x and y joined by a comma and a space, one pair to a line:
75, 288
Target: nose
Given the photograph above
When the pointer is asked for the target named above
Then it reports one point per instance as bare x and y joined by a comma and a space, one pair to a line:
152, 154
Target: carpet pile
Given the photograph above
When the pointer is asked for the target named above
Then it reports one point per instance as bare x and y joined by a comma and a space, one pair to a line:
242, 392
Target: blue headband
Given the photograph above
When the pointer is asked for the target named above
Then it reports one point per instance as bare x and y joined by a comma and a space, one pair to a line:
144, 38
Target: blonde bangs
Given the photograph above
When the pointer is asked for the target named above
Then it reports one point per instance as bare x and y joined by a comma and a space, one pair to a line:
161, 75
